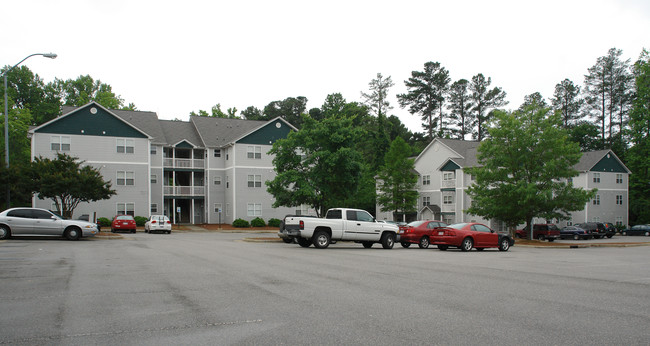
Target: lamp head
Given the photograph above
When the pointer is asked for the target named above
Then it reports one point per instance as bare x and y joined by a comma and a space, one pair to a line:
50, 55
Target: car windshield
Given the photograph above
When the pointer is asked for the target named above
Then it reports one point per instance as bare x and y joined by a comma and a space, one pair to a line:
124, 217
415, 223
457, 225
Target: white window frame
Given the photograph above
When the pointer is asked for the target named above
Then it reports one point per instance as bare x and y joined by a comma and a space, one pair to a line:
127, 208
254, 209
125, 144
619, 178
154, 179
217, 180
60, 143
254, 152
447, 199
154, 208
153, 150
217, 207
619, 199
448, 175
254, 180
426, 200
596, 178
619, 221
123, 178
217, 152
596, 200
426, 179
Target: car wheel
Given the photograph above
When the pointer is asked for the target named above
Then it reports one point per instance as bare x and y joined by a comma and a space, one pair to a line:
367, 244
424, 243
550, 240
609, 236
388, 240
623, 233
504, 245
405, 245
287, 240
321, 240
596, 237
443, 247
467, 244
576, 237
4, 232
112, 230
169, 232
304, 242
540, 237
647, 234
72, 233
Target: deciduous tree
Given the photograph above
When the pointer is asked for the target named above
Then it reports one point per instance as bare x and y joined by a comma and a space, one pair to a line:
397, 180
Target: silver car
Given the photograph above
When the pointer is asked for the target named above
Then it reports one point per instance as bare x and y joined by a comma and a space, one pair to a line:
41, 222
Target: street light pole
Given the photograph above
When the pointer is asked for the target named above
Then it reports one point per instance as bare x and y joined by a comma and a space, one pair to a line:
4, 74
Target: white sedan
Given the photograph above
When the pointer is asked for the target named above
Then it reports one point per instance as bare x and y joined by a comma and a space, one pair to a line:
158, 223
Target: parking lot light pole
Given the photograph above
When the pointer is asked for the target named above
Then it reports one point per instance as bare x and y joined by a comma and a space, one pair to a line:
4, 74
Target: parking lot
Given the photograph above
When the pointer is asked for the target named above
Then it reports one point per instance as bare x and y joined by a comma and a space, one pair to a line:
210, 288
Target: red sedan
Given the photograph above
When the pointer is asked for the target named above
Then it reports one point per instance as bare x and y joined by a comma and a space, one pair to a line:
418, 232
123, 223
466, 236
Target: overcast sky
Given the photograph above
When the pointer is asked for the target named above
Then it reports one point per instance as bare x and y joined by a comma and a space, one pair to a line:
174, 57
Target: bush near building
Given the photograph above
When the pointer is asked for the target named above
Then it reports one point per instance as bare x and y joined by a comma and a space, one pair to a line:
258, 222
241, 223
274, 222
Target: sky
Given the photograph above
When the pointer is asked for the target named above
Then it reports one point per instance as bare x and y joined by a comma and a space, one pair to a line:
174, 57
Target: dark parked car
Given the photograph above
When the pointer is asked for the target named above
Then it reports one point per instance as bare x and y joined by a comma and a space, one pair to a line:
610, 229
637, 230
574, 232
123, 223
596, 229
466, 236
541, 232
418, 232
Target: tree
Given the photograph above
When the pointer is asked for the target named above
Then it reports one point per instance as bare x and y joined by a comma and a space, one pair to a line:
566, 99
483, 98
253, 113
425, 96
607, 91
376, 100
460, 107
290, 109
397, 180
68, 182
639, 134
535, 98
318, 166
586, 134
26, 91
525, 168
216, 112
84, 89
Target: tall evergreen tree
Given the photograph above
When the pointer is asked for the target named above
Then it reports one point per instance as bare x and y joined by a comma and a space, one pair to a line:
377, 99
484, 99
426, 95
460, 106
566, 99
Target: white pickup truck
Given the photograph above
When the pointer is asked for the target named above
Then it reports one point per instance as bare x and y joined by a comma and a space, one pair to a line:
339, 224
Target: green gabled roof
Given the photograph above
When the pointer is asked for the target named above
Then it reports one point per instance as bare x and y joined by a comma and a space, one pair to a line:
267, 134
601, 161
450, 166
91, 120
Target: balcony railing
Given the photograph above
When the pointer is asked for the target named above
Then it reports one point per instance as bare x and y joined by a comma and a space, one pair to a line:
448, 208
184, 163
449, 183
184, 190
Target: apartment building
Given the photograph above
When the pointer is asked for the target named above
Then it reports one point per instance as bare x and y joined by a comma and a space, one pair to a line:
443, 184
205, 170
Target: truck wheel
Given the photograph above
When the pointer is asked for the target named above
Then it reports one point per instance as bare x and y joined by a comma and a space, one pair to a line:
405, 245
304, 242
367, 244
388, 240
424, 243
467, 244
321, 240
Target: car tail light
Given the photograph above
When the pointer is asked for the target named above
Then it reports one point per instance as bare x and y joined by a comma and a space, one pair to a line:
153, 221
168, 221
302, 224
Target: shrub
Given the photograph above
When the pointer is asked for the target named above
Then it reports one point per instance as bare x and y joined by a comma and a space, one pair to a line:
140, 220
274, 222
258, 222
240, 223
104, 222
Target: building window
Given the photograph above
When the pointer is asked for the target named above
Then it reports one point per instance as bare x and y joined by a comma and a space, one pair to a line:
596, 177
217, 180
217, 152
254, 180
254, 152
619, 221
426, 201
254, 209
126, 209
619, 178
596, 219
154, 208
569, 223
619, 199
596, 200
60, 143
152, 150
125, 146
448, 176
125, 178
154, 179
302, 210
217, 207
227, 182
448, 199
426, 180
227, 209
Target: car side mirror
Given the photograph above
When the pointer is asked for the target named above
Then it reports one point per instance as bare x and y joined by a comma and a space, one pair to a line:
491, 231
